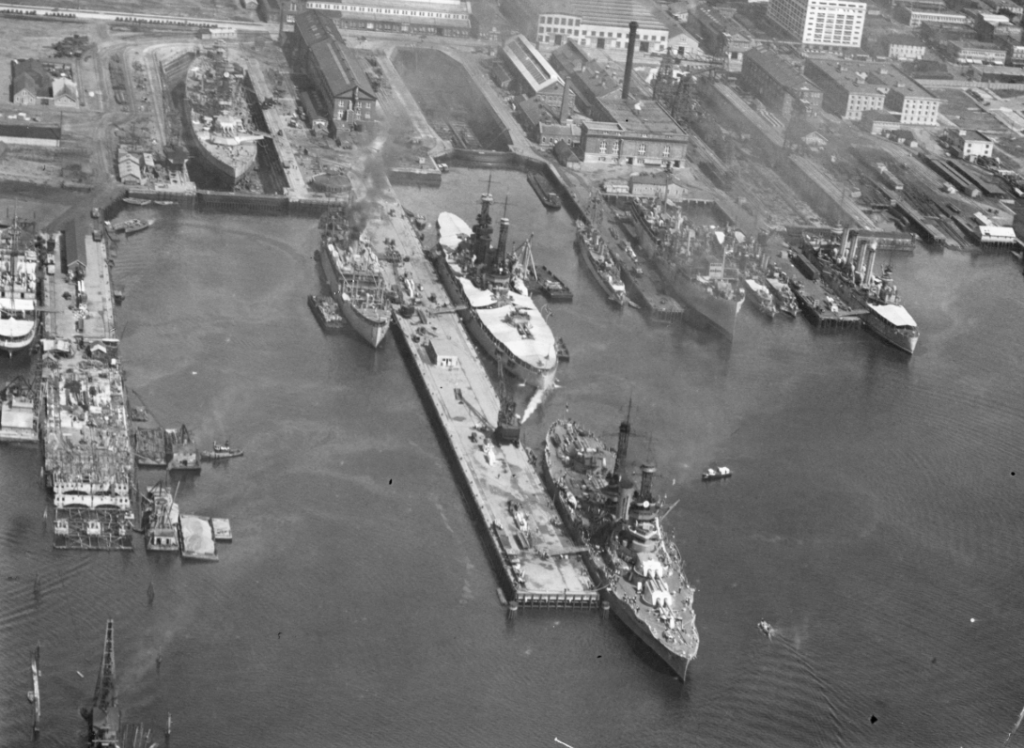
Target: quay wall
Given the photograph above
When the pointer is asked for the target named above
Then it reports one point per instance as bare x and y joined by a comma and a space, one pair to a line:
403, 332
237, 202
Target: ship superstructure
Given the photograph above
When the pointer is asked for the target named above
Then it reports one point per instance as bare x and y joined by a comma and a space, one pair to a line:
19, 284
87, 455
695, 262
847, 270
640, 570
495, 307
223, 134
355, 275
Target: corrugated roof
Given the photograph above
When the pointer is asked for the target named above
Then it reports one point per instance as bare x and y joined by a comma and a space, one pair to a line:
530, 64
30, 130
783, 74
74, 244
336, 62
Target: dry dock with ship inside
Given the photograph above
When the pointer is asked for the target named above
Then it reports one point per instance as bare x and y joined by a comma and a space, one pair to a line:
539, 565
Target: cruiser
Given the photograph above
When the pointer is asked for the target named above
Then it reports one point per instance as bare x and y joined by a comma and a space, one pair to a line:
495, 307
355, 275
219, 126
641, 571
694, 263
847, 270
19, 282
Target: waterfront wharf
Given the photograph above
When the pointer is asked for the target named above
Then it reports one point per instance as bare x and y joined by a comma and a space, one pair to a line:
87, 455
822, 308
539, 565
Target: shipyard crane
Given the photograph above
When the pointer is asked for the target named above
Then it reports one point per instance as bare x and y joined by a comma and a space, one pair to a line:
104, 717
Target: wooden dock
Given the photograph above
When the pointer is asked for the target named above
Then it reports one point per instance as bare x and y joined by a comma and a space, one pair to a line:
538, 566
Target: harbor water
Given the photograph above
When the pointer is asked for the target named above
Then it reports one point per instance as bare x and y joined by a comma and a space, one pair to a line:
874, 519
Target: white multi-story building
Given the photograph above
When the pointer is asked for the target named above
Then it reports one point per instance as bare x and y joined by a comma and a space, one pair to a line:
821, 23
604, 24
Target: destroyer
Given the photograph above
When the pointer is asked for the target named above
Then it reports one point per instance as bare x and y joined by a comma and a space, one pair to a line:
221, 132
495, 307
591, 247
19, 282
631, 559
354, 273
694, 262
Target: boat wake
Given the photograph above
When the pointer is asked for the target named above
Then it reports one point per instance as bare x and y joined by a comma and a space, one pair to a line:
534, 403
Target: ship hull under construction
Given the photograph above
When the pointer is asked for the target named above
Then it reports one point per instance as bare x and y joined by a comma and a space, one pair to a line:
541, 377
370, 323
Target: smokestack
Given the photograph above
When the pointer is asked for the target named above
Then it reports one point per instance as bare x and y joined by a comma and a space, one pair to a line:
625, 491
502, 241
646, 482
871, 264
844, 248
563, 113
633, 26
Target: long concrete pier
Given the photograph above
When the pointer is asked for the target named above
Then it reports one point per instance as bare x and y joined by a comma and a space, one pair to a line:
542, 566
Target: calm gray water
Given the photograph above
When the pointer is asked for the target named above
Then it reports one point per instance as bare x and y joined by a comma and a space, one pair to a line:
874, 512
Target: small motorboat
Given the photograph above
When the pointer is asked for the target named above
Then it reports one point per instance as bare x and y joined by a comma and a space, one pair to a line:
220, 452
766, 628
716, 473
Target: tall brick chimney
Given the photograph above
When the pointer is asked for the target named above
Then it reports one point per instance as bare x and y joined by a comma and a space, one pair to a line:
633, 26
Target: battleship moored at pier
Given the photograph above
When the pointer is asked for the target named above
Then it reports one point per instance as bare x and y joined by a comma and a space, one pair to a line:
631, 559
694, 263
505, 322
355, 275
217, 115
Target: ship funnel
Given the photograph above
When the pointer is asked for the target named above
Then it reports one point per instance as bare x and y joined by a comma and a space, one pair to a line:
625, 492
871, 264
646, 482
844, 248
502, 243
628, 75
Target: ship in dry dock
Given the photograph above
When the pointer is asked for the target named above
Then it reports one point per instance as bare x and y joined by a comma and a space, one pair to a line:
847, 269
354, 274
694, 262
640, 570
217, 114
500, 316
19, 284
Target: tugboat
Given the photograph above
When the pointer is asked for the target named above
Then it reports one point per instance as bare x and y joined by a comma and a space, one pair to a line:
766, 628
220, 452
640, 570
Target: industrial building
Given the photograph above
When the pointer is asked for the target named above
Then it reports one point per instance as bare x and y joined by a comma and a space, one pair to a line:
965, 52
972, 145
336, 72
820, 23
645, 136
904, 47
851, 89
782, 88
34, 82
533, 76
30, 133
431, 17
721, 36
601, 24
915, 18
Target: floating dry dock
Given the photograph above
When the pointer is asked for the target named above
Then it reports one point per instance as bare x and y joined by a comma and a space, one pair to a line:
538, 562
